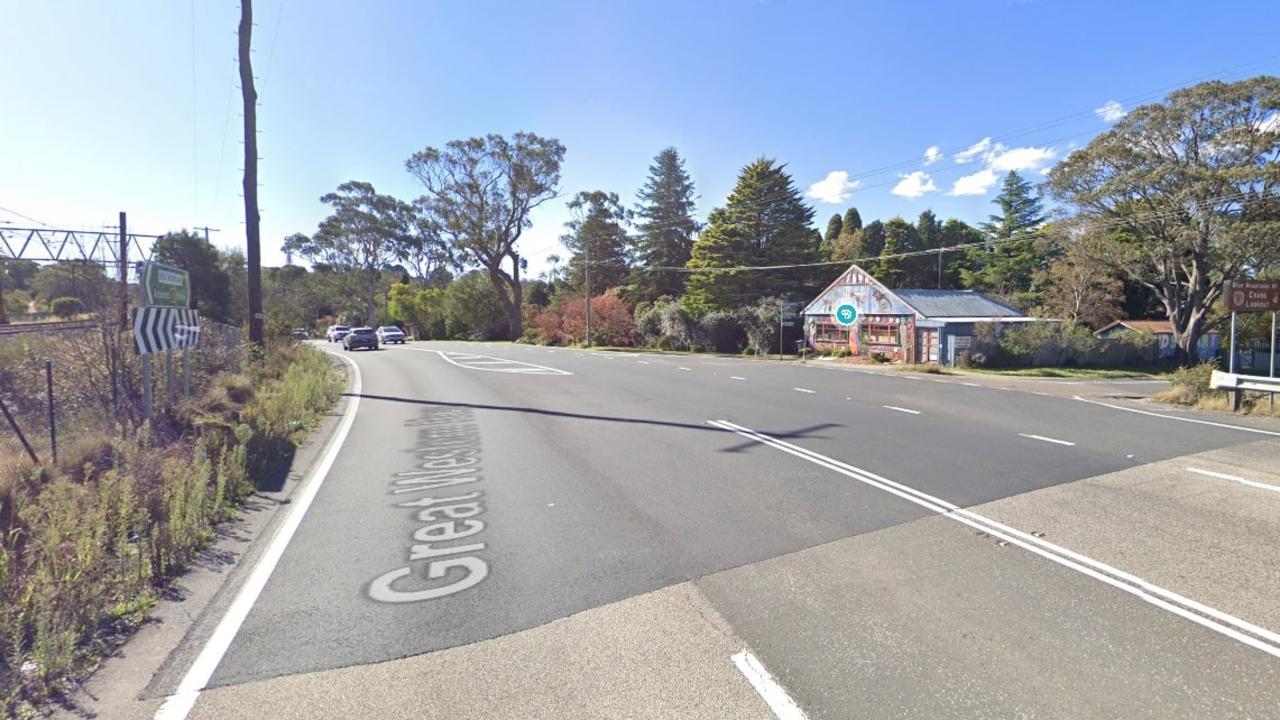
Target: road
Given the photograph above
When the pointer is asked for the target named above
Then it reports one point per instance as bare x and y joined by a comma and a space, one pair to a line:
514, 531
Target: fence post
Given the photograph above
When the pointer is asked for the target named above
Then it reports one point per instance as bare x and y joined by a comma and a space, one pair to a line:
53, 424
168, 378
186, 372
146, 387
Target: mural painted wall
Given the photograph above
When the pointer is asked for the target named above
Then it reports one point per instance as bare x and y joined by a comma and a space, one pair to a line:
885, 324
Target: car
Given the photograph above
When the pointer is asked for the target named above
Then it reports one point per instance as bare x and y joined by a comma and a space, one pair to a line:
301, 333
388, 334
335, 333
361, 337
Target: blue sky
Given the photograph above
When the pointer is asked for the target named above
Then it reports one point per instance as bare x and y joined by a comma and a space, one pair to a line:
131, 105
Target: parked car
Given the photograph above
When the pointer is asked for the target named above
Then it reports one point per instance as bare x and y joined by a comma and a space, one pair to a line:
390, 334
361, 337
337, 332
301, 333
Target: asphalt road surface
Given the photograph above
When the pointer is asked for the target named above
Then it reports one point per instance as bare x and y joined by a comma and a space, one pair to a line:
513, 531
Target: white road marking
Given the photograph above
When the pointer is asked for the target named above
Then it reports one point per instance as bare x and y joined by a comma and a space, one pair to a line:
1216, 620
515, 366
1046, 439
773, 694
912, 377
1042, 394
643, 362
970, 384
900, 409
179, 704
684, 368
804, 390
1235, 478
735, 377
1242, 428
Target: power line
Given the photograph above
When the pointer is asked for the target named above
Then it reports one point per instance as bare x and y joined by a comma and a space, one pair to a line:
24, 217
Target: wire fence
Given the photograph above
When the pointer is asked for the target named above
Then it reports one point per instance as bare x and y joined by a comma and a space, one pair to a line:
59, 388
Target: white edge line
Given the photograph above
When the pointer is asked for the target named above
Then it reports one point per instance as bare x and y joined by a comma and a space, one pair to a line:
178, 705
901, 409
1140, 588
773, 694
735, 377
1047, 439
1234, 478
805, 390
1242, 428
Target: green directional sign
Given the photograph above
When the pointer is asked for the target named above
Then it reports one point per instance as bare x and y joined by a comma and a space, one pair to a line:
846, 314
165, 286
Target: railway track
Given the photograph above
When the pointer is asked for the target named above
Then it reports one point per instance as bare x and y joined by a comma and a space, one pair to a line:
53, 326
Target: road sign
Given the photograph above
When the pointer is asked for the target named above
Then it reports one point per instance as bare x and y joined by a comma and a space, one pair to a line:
788, 316
156, 329
1244, 295
846, 314
165, 286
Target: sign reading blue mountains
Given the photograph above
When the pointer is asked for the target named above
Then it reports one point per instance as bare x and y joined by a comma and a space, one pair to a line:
156, 329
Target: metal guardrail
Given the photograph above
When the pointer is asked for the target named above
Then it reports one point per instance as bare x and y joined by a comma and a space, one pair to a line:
47, 326
1235, 381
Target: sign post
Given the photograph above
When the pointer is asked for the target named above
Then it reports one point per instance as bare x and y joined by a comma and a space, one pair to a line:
163, 323
1250, 295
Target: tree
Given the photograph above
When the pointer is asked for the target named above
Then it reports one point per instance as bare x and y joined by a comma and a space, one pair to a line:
69, 278
845, 244
1078, 288
1008, 268
210, 285
423, 251
852, 221
597, 228
479, 193
764, 222
956, 233
472, 308
66, 307
900, 237
834, 226
666, 228
362, 236
1188, 187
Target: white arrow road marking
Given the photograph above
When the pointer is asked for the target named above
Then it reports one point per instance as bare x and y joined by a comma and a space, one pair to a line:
178, 705
1216, 620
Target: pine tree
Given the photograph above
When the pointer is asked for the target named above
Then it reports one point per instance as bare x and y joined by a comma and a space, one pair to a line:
900, 236
764, 222
666, 228
834, 226
599, 225
1009, 268
852, 221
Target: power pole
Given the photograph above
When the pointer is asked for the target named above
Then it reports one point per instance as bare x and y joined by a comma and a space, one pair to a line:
252, 252
4, 318
939, 268
124, 274
586, 249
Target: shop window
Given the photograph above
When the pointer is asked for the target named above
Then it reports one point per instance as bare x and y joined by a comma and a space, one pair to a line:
881, 333
830, 332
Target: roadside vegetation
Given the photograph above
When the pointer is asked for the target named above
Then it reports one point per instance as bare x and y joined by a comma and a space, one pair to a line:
87, 545
1190, 387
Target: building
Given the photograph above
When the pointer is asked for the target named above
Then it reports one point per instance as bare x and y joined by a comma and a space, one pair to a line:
925, 326
1206, 347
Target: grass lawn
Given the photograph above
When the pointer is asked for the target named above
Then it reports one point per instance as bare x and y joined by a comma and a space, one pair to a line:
1076, 372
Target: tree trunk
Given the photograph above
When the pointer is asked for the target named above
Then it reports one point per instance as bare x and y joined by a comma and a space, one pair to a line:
251, 219
510, 295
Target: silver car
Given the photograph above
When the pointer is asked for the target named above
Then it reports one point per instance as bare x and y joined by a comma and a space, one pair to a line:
390, 334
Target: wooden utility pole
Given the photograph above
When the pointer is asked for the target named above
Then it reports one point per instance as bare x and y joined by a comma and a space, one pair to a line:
586, 265
250, 96
124, 274
4, 318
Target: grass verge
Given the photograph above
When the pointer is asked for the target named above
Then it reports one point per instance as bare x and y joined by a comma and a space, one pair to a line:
1075, 372
87, 546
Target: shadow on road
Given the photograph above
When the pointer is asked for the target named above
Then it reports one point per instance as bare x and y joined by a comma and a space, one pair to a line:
808, 432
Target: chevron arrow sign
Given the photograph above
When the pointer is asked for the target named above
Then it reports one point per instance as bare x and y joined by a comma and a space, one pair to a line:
162, 328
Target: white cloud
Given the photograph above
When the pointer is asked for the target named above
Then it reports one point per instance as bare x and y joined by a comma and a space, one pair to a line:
932, 155
976, 184
1023, 158
973, 151
1110, 111
914, 185
834, 188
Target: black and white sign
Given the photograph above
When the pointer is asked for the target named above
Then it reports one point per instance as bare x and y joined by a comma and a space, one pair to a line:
156, 329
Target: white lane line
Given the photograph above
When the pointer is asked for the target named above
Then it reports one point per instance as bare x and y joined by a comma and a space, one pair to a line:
912, 377
804, 390
643, 362
773, 694
1242, 428
1235, 478
901, 409
1216, 620
971, 384
684, 369
735, 377
1046, 439
179, 704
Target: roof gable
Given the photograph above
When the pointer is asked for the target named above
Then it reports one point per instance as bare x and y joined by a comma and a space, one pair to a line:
858, 287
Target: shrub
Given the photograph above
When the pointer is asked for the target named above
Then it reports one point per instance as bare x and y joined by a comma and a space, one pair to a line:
666, 325
1190, 385
720, 331
66, 307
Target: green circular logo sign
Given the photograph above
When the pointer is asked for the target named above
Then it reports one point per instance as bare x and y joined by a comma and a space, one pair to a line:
846, 314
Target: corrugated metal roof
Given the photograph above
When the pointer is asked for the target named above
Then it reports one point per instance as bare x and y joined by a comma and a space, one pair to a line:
954, 303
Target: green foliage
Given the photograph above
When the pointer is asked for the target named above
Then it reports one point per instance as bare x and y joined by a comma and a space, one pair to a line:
665, 324
852, 221
66, 307
1190, 385
1010, 268
900, 236
597, 228
1203, 162
472, 309
16, 301
1052, 344
81, 280
764, 222
666, 227
759, 322
834, 226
